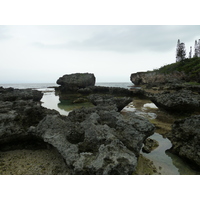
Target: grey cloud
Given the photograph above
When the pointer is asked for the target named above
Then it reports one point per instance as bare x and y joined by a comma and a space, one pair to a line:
131, 38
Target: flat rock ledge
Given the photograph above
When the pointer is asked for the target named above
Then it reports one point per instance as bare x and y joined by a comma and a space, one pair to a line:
97, 140
182, 101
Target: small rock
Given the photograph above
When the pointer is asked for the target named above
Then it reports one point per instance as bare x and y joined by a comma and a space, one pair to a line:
150, 145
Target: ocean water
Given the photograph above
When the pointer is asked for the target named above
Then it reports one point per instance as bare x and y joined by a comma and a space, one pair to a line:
47, 85
29, 85
165, 162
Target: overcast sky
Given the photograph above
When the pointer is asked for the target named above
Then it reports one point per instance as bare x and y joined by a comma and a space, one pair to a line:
41, 54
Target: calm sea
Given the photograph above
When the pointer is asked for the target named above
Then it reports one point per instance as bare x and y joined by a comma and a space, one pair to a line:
46, 85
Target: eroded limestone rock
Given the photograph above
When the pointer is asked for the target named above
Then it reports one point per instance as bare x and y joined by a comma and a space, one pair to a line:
185, 138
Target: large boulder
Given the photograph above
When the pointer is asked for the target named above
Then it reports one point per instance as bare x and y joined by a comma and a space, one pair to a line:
183, 101
73, 82
185, 139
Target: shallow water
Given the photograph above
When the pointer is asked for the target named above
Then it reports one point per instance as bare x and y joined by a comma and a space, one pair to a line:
165, 162
64, 107
51, 101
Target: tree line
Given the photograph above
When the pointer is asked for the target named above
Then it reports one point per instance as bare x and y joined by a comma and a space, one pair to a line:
181, 51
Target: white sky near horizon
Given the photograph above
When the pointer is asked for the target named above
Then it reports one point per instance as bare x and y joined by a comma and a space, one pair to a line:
41, 54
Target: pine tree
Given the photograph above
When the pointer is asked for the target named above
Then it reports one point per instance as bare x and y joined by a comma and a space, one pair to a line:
190, 53
198, 49
177, 49
195, 49
180, 51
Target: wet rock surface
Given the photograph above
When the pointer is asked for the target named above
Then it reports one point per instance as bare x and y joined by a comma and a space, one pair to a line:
145, 167
185, 138
32, 162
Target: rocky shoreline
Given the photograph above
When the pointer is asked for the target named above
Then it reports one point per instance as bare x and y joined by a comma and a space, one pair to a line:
99, 139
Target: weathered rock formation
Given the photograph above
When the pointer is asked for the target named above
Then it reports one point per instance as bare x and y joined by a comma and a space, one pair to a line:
115, 91
154, 78
73, 82
185, 138
96, 140
19, 109
108, 100
183, 101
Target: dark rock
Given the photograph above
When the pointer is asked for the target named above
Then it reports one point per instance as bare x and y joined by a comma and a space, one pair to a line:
150, 145
96, 140
108, 100
19, 109
10, 94
15, 119
183, 101
115, 91
73, 82
185, 139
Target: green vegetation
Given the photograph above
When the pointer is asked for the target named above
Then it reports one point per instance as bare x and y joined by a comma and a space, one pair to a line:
192, 83
191, 67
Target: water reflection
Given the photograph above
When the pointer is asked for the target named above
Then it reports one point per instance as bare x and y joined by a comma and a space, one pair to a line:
147, 110
51, 101
161, 160
183, 168
68, 105
166, 162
